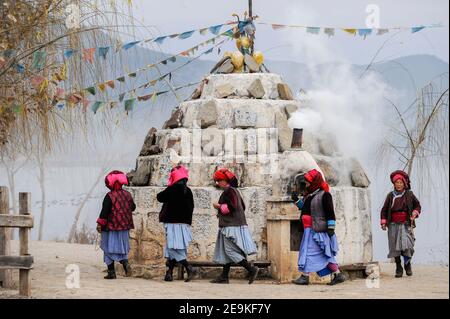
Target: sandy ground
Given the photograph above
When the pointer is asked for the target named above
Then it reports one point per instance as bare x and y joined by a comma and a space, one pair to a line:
51, 259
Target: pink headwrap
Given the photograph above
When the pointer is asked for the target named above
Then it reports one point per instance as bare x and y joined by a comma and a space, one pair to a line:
178, 173
115, 179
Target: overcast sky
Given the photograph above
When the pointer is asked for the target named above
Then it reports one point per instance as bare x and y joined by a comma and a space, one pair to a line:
174, 16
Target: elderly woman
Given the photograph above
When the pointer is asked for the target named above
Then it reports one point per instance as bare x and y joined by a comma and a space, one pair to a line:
234, 241
319, 244
176, 214
398, 215
114, 223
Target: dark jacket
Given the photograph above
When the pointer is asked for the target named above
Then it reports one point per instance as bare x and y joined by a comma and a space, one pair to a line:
117, 211
407, 203
236, 206
178, 204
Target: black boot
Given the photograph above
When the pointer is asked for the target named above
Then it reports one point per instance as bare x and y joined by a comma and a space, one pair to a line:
189, 270
111, 272
408, 268
126, 267
169, 272
336, 279
302, 280
223, 278
398, 268
252, 270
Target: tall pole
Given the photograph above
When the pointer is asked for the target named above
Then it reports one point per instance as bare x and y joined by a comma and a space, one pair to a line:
250, 14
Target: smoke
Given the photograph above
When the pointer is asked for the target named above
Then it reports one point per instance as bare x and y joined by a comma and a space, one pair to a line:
341, 103
308, 119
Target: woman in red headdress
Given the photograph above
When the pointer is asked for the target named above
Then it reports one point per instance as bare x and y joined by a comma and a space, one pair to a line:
234, 241
398, 215
114, 223
319, 245
176, 214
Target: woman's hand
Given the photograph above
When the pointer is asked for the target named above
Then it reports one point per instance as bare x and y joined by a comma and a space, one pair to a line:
414, 215
330, 232
216, 205
383, 227
99, 228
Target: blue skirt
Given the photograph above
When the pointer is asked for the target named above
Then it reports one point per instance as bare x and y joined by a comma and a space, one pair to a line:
233, 244
316, 252
115, 245
178, 238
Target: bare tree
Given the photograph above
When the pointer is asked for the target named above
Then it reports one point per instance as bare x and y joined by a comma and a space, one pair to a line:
14, 157
40, 158
420, 132
73, 229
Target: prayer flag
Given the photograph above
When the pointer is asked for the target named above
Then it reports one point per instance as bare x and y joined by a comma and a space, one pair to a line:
111, 84
69, 53
95, 107
416, 29
215, 29
103, 51
350, 31
160, 40
382, 31
364, 32
186, 35
39, 60
88, 55
91, 90
129, 104
329, 31
129, 45
313, 30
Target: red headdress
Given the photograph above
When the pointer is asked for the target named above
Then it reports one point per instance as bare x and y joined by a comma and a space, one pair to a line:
315, 178
224, 174
399, 174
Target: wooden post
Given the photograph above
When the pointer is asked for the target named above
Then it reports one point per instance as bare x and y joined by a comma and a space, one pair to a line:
250, 12
5, 236
280, 213
24, 274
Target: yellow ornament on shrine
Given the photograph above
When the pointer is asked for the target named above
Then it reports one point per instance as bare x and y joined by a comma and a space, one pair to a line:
228, 54
239, 70
238, 44
245, 42
259, 57
237, 59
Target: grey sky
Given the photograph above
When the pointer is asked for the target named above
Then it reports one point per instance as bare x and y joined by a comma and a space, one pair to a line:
171, 16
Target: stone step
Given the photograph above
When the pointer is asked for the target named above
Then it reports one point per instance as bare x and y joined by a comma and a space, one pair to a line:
154, 170
236, 113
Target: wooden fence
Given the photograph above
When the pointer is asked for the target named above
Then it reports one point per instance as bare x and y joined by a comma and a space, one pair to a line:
23, 262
